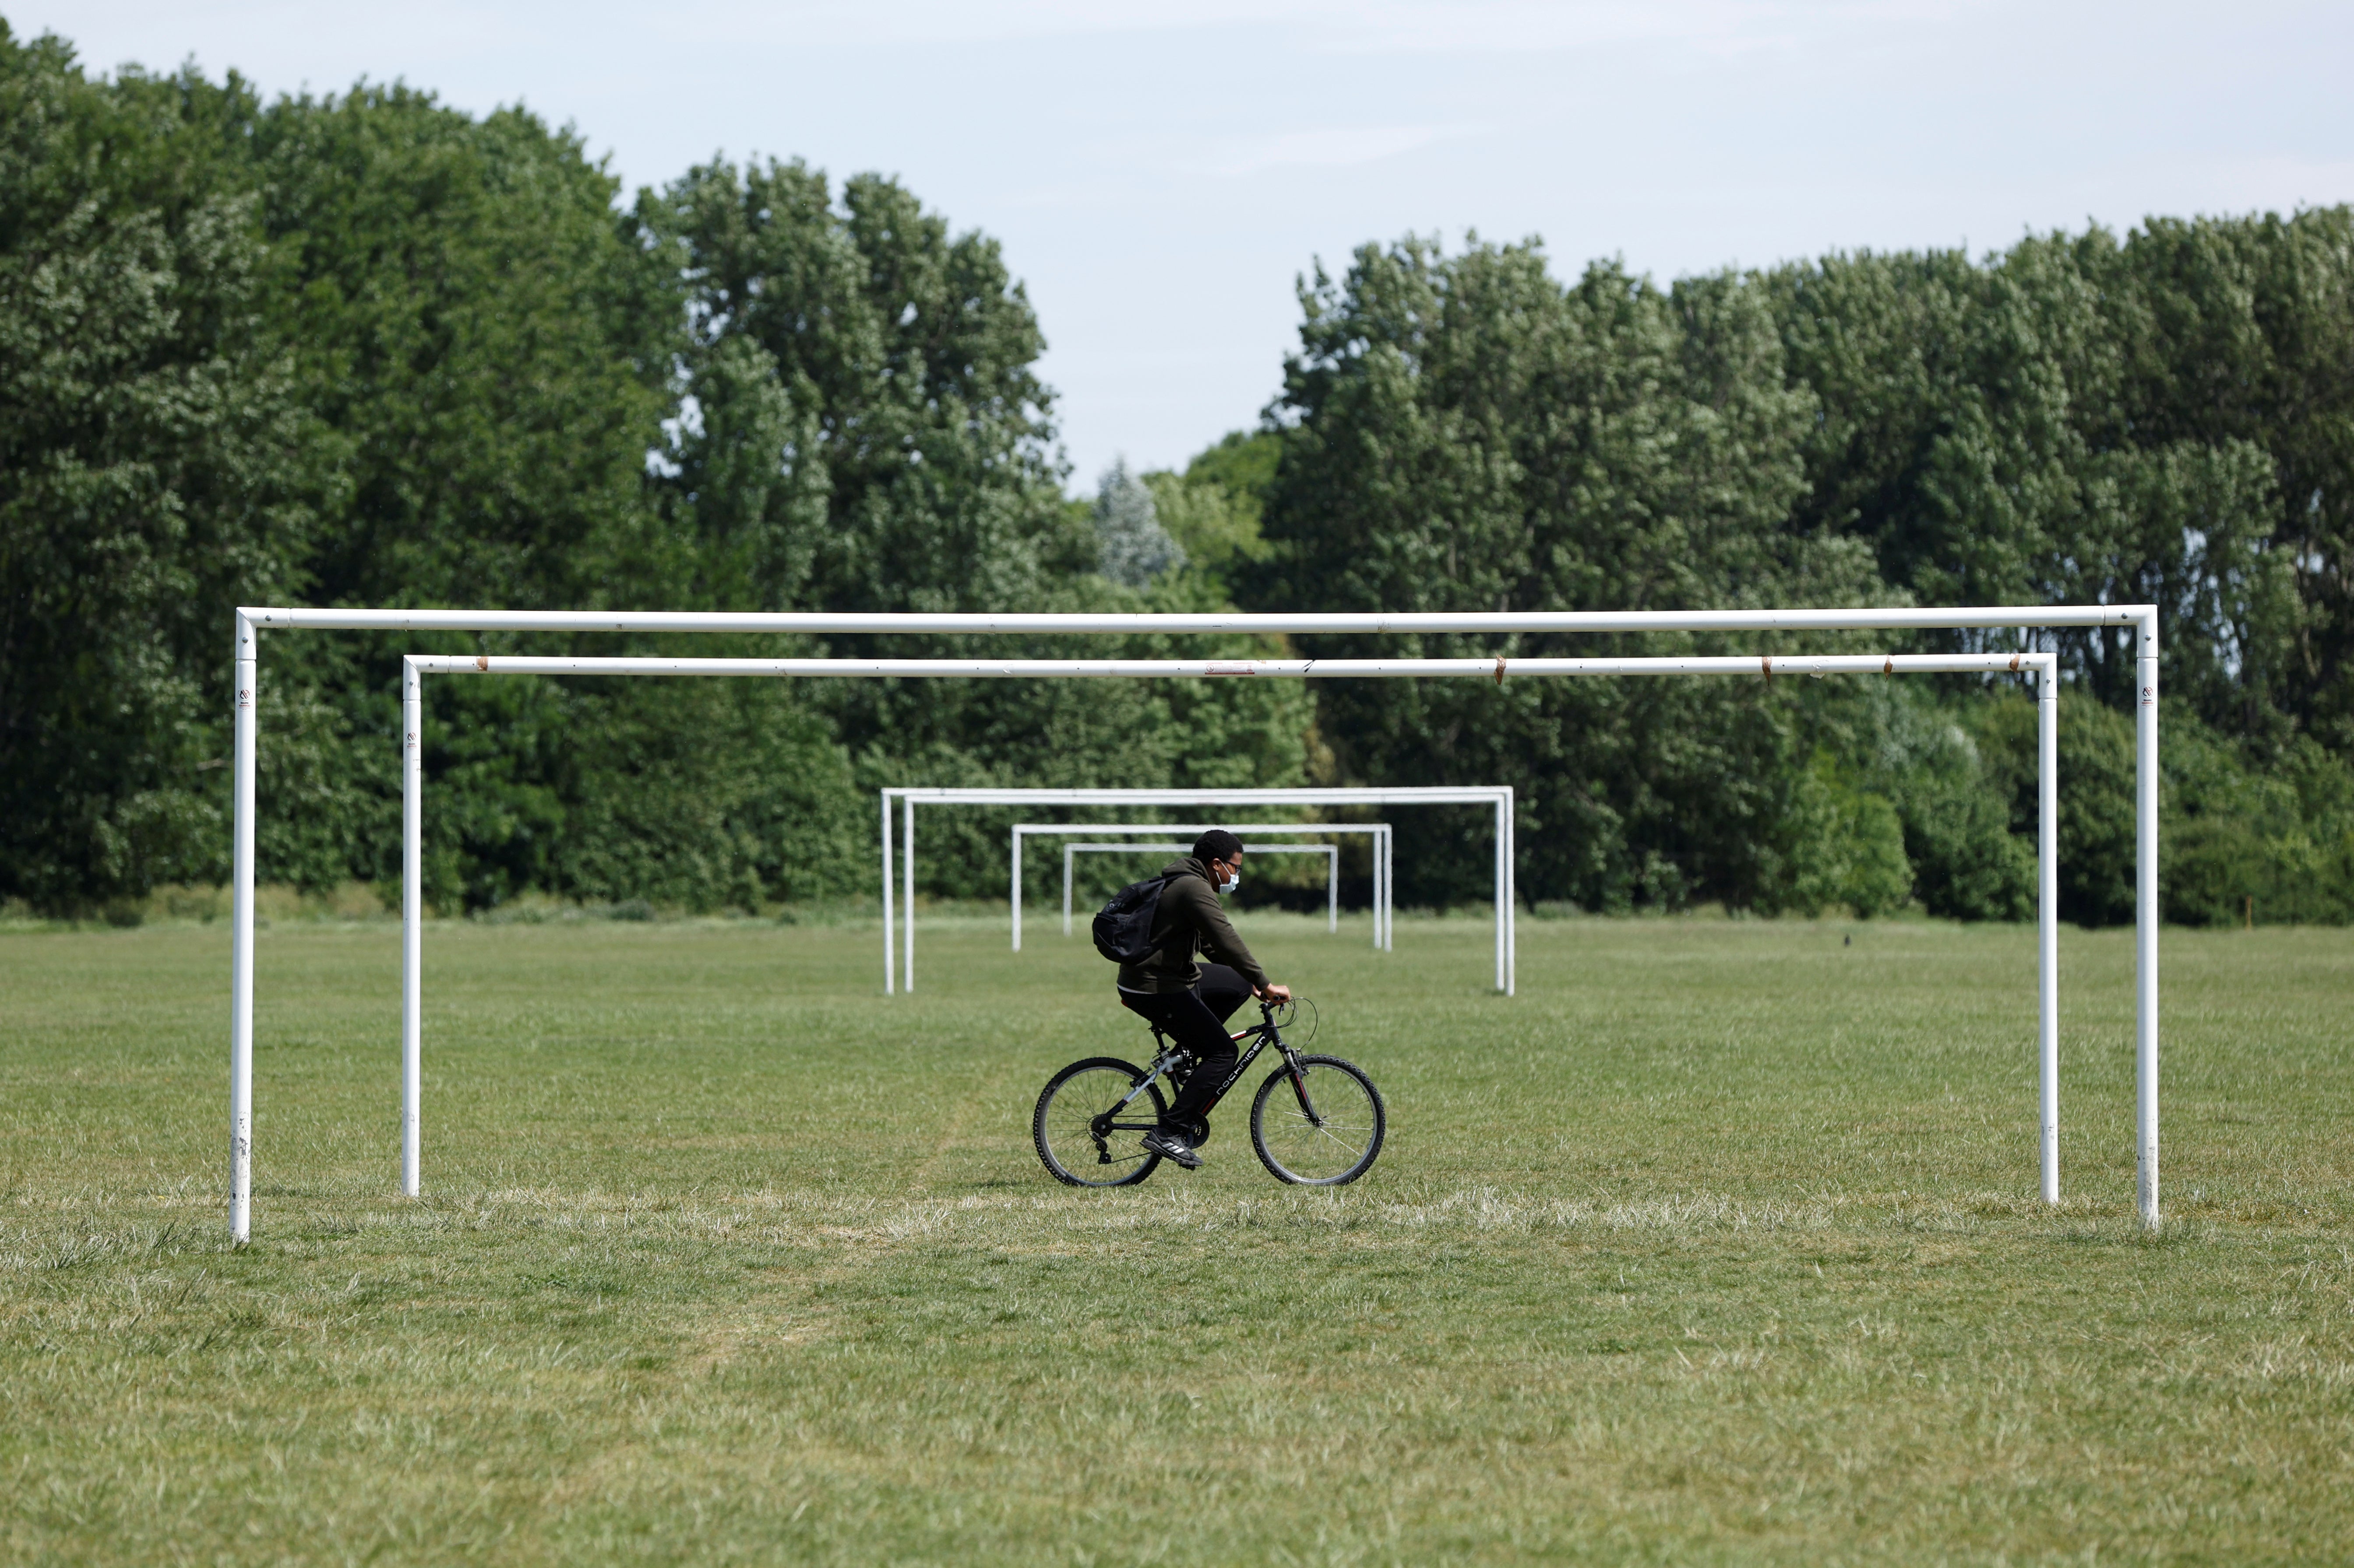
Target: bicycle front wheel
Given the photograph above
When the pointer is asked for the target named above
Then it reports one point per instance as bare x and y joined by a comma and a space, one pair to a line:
1090, 1120
1323, 1128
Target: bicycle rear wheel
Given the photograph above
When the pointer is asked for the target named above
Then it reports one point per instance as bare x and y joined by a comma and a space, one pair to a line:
1090, 1121
1323, 1130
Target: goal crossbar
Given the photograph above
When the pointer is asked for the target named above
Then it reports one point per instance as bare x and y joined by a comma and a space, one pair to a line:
1203, 623
2141, 621
1497, 668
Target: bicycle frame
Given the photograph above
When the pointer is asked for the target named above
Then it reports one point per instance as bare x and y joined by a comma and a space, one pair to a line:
1266, 1032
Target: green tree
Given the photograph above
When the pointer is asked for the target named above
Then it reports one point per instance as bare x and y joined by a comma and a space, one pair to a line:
894, 380
1132, 547
2044, 428
1464, 433
1846, 846
487, 350
2242, 337
1956, 805
366, 348
152, 472
870, 378
1218, 533
1243, 464
1215, 509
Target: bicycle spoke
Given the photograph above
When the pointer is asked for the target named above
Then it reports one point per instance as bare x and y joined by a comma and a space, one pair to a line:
1328, 1131
1343, 1142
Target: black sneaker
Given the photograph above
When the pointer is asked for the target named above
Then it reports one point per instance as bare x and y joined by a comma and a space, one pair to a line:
1168, 1146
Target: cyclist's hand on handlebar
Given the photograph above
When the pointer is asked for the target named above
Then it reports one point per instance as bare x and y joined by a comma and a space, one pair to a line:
1274, 993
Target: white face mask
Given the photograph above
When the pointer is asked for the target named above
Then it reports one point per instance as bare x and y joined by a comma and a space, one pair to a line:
1233, 880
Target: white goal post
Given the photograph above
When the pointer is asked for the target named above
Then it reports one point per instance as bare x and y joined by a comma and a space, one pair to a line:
1332, 853
1378, 832
2141, 620
1497, 796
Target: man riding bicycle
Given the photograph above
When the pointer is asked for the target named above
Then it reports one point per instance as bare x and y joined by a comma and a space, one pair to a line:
1191, 1001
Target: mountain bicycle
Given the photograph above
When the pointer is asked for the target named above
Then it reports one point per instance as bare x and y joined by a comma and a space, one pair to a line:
1318, 1121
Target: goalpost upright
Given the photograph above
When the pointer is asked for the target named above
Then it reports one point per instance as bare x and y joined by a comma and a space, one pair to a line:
2141, 619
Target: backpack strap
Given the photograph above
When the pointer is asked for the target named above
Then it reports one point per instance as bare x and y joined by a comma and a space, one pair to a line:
1163, 945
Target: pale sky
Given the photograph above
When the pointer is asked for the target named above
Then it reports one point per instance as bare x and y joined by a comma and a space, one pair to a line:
1159, 174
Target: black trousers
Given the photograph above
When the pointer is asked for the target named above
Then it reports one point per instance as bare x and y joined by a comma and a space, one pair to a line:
1196, 1020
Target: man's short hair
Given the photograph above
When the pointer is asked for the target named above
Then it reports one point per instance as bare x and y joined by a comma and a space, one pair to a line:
1216, 844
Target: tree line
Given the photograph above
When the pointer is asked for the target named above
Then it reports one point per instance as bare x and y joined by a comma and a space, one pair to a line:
366, 349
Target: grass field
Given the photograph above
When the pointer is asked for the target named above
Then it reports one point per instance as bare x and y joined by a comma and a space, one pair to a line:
1718, 1244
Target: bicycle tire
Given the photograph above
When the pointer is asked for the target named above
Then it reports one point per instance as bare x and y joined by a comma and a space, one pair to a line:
1067, 1146
1354, 1114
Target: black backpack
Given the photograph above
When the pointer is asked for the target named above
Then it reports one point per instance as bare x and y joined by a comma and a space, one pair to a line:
1123, 927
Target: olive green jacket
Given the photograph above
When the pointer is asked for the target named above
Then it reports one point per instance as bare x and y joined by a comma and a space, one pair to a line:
1188, 920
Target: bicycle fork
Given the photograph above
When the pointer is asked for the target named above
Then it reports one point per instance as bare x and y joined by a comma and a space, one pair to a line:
1299, 1076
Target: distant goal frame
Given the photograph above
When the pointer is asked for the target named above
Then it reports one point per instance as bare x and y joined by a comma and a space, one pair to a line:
1378, 833
1072, 850
1497, 797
